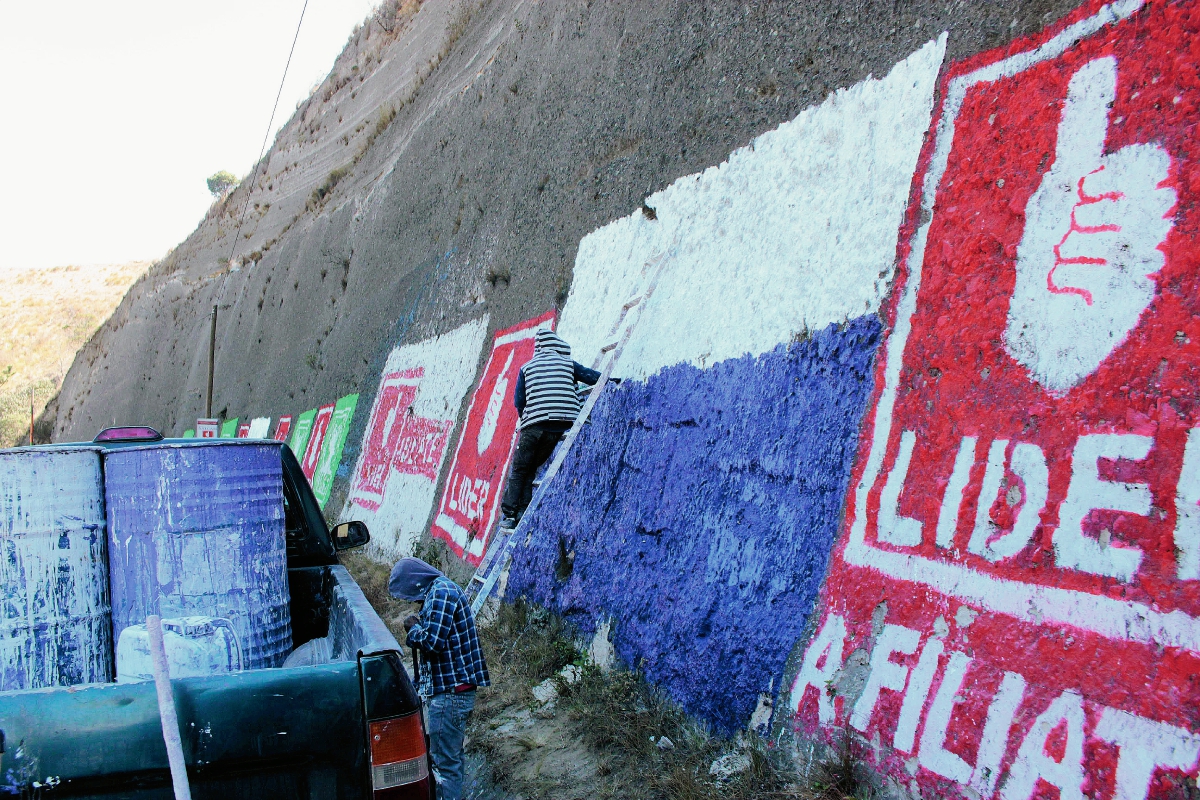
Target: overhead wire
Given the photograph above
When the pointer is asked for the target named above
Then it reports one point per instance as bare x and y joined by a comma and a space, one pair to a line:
266, 136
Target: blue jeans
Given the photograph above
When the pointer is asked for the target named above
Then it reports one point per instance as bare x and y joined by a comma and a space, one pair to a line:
448, 715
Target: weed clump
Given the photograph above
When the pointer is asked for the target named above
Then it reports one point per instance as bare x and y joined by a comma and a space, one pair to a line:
317, 198
372, 577
523, 647
639, 743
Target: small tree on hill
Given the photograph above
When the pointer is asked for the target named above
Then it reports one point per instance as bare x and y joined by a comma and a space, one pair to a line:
221, 183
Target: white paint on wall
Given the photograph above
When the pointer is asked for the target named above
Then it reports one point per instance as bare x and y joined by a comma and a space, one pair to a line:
450, 362
1145, 746
259, 427
1092, 243
822, 661
1032, 762
885, 673
795, 231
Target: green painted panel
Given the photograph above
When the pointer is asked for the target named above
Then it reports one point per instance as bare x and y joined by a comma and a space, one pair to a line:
331, 448
300, 433
229, 428
189, 434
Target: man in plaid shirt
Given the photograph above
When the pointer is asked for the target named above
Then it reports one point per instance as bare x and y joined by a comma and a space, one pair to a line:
452, 665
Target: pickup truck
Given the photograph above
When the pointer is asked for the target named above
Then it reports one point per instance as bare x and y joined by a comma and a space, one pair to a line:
347, 728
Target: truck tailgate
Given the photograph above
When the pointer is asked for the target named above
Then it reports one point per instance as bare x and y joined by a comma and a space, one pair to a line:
305, 737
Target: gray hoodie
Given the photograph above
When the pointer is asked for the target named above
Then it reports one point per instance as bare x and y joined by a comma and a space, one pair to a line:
545, 390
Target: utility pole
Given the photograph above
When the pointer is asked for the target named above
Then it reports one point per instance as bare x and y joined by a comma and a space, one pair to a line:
212, 360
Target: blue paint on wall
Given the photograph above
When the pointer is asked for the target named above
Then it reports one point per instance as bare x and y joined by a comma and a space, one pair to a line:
701, 507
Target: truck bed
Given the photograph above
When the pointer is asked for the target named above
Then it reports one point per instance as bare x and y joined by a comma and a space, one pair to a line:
290, 732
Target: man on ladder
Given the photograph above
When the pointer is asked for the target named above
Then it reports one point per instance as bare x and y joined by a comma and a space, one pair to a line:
548, 404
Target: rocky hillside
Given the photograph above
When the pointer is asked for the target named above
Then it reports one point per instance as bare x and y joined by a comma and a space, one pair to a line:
449, 166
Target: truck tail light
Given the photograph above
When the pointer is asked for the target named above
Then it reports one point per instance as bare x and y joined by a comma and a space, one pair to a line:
399, 761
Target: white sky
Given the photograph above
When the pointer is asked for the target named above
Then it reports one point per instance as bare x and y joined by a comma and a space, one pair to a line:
115, 112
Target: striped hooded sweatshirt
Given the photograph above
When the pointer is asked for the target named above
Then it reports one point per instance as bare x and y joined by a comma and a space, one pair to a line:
545, 393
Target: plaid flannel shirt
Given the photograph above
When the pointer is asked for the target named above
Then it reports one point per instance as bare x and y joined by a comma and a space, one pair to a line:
446, 637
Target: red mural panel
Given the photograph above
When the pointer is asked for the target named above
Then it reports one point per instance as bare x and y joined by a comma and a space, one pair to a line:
283, 427
393, 405
308, 464
243, 430
1014, 608
471, 498
419, 450
397, 439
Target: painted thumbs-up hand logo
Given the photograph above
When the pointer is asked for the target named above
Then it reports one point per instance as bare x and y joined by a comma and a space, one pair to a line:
1091, 246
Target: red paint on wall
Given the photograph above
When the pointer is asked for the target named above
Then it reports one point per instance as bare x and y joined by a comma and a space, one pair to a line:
308, 464
1023, 521
397, 439
471, 498
283, 427
419, 450
243, 431
392, 406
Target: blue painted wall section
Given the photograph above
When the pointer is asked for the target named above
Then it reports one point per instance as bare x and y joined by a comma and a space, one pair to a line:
701, 506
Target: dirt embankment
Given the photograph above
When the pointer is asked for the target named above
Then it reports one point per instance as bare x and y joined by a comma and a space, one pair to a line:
48, 314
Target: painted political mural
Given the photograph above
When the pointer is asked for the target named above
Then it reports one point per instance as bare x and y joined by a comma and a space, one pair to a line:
229, 428
316, 438
283, 427
301, 433
259, 428
420, 392
695, 515
333, 441
471, 499
1014, 609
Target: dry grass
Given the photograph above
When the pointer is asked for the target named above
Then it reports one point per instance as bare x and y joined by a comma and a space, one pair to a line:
601, 738
372, 578
48, 314
523, 647
619, 718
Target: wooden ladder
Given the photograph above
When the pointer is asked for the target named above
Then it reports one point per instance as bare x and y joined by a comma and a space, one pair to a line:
502, 546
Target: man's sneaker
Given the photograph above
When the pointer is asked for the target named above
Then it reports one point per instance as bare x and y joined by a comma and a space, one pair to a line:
508, 523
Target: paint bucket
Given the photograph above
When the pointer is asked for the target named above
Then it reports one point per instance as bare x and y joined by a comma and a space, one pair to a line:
55, 624
195, 646
198, 530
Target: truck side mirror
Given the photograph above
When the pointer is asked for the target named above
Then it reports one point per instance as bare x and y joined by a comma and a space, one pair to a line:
350, 534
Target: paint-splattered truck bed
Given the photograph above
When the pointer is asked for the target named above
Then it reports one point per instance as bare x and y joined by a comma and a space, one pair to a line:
304, 731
